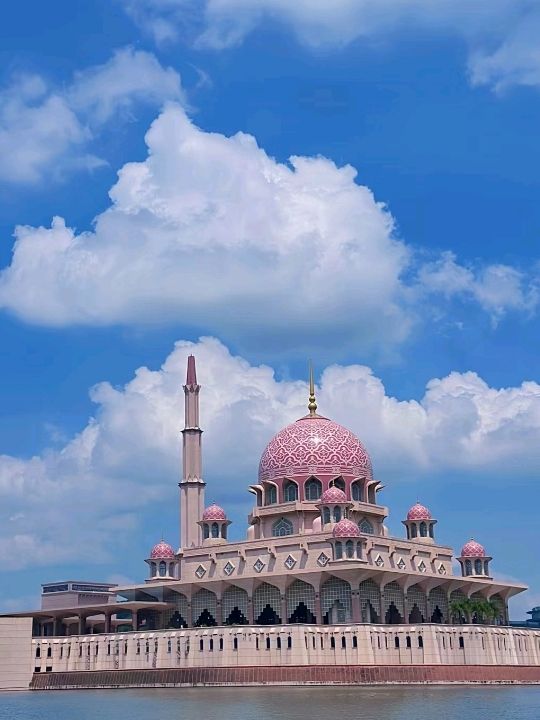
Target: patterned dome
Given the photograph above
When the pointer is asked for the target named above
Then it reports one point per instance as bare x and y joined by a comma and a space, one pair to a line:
345, 529
418, 512
473, 549
313, 445
214, 512
333, 495
162, 551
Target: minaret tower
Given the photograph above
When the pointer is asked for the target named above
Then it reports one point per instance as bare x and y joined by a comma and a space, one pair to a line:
192, 485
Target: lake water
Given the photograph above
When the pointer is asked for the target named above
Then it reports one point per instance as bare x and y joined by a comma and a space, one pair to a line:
278, 703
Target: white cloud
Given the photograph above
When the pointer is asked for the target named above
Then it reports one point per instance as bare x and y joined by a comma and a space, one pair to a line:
210, 232
497, 288
44, 130
82, 502
502, 35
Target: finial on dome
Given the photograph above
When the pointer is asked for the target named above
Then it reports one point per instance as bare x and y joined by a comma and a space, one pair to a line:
312, 405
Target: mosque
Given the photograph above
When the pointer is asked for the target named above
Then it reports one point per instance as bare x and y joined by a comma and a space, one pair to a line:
317, 582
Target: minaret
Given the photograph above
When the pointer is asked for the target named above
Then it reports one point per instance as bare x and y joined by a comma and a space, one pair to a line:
192, 485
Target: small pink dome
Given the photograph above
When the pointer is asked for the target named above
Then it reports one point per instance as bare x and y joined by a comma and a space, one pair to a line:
314, 445
162, 551
333, 495
418, 512
473, 549
214, 512
345, 529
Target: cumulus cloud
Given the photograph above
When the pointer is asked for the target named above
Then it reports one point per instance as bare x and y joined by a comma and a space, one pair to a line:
127, 458
212, 233
501, 34
45, 129
497, 288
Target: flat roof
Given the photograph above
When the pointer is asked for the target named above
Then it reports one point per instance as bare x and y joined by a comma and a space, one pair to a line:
90, 610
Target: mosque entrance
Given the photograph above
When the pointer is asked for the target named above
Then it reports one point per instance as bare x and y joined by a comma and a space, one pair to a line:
393, 616
269, 616
336, 614
236, 617
415, 616
302, 614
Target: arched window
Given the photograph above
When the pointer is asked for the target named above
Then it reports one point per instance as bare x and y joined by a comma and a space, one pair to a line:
339, 483
171, 569
486, 567
206, 531
468, 567
153, 569
162, 568
365, 527
291, 492
356, 491
224, 531
414, 530
326, 515
337, 513
271, 495
339, 550
313, 489
431, 534
215, 530
478, 567
359, 550
349, 548
282, 527
423, 529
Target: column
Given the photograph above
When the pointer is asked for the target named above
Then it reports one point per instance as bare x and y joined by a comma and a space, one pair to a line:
82, 624
356, 610
219, 613
283, 613
318, 609
250, 618
108, 616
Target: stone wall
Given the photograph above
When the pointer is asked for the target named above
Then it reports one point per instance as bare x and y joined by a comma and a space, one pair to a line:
16, 653
290, 646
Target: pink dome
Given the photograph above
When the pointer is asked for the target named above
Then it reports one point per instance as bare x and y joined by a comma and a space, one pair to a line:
314, 445
473, 549
418, 512
333, 495
345, 529
162, 551
214, 512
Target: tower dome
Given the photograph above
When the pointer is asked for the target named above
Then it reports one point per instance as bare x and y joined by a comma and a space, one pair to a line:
333, 495
473, 549
162, 551
314, 445
214, 512
345, 529
419, 512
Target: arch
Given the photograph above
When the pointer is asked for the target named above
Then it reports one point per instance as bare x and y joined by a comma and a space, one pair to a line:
468, 567
312, 489
349, 549
370, 601
215, 530
206, 531
153, 569
162, 568
478, 566
300, 598
234, 606
423, 529
290, 493
326, 515
336, 603
393, 604
267, 605
356, 491
270, 494
338, 550
431, 530
336, 513
204, 608
438, 606
338, 482
416, 606
366, 527
414, 530
282, 527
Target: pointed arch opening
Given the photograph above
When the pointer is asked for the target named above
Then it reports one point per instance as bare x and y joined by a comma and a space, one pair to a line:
300, 597
282, 527
312, 489
267, 605
336, 601
290, 491
234, 606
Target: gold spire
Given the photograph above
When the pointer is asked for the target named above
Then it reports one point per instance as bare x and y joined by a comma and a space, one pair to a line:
312, 405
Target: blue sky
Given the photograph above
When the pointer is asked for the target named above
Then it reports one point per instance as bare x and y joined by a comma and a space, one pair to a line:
422, 266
